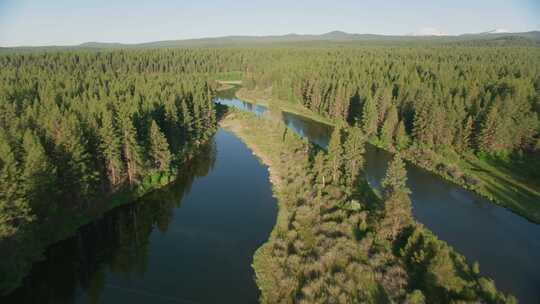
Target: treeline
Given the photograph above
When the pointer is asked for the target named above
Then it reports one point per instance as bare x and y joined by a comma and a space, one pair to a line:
76, 128
472, 99
117, 241
335, 241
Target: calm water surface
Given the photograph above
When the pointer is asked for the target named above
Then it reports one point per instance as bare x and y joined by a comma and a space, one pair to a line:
506, 245
192, 242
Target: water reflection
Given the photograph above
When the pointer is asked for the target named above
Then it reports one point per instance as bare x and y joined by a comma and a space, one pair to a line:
75, 269
318, 133
506, 245
191, 242
242, 105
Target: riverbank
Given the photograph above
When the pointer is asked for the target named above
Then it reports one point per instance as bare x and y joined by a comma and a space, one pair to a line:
320, 236
227, 84
498, 184
223, 205
267, 147
494, 182
18, 256
17, 264
234, 126
266, 151
264, 98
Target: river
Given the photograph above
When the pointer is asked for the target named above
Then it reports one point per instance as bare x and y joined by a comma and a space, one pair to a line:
506, 245
193, 241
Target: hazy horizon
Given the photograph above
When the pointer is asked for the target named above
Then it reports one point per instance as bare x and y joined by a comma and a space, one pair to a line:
267, 35
62, 22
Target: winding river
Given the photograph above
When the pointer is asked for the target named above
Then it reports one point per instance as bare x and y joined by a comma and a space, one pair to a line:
506, 245
193, 241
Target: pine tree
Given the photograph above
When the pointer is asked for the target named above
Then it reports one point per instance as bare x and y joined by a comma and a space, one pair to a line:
39, 175
110, 147
396, 209
395, 179
159, 148
422, 126
130, 146
415, 297
172, 123
187, 120
370, 119
467, 134
383, 100
402, 139
319, 167
440, 129
389, 126
395, 215
441, 272
335, 154
489, 137
77, 176
15, 212
354, 154
198, 122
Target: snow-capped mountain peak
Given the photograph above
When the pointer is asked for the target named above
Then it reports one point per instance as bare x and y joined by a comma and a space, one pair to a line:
498, 31
429, 31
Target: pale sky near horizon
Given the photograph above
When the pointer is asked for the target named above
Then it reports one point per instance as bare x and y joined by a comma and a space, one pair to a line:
69, 22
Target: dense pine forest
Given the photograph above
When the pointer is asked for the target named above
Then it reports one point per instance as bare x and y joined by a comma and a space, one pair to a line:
436, 97
118, 238
470, 114
82, 131
77, 128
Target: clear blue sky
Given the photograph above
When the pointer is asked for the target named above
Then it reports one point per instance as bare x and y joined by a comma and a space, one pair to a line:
65, 22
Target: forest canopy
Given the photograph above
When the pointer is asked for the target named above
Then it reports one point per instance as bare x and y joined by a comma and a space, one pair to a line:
78, 127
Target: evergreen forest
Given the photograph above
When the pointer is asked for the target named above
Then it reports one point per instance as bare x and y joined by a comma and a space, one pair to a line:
83, 131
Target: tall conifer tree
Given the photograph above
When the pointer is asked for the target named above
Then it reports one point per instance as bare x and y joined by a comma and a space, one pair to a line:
159, 148
354, 154
110, 147
370, 117
15, 212
39, 175
389, 126
335, 154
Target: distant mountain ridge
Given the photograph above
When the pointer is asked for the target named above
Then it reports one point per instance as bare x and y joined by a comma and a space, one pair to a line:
498, 31
333, 37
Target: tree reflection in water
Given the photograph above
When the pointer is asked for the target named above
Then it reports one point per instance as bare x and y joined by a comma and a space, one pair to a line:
117, 242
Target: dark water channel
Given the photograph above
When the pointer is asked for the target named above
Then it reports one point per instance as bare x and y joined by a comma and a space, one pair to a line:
506, 245
192, 242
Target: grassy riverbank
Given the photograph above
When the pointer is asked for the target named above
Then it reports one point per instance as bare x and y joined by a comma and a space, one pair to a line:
227, 84
264, 98
492, 179
268, 152
496, 180
326, 246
